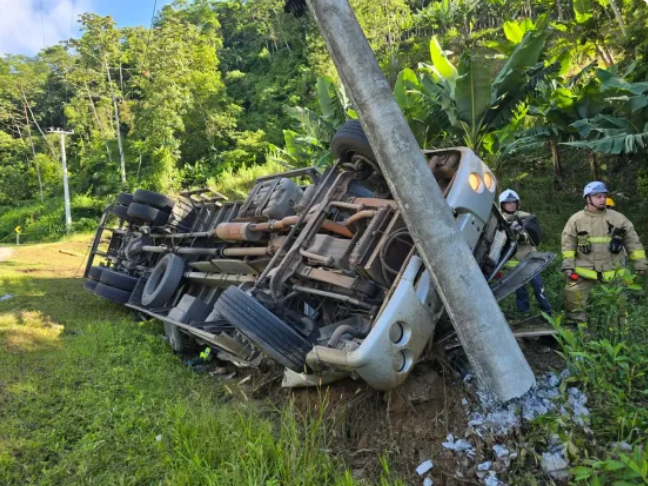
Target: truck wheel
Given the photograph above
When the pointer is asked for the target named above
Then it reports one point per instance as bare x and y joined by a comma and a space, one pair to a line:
349, 140
276, 338
151, 215
178, 340
112, 294
121, 212
164, 281
90, 285
154, 199
118, 280
95, 273
124, 198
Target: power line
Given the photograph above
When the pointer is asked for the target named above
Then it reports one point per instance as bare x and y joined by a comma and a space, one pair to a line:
71, 18
148, 40
42, 24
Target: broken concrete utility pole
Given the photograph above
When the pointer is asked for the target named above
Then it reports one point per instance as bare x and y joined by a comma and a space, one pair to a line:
481, 327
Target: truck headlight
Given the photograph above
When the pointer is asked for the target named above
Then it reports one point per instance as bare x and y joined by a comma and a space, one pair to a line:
489, 181
475, 182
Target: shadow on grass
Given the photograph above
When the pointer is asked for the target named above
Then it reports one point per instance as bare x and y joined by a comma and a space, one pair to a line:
62, 300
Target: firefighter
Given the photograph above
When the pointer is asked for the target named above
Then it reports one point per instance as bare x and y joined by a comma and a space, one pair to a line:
594, 243
510, 207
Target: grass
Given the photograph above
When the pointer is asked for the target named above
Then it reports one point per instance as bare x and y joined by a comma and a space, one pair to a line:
607, 359
45, 221
89, 396
236, 184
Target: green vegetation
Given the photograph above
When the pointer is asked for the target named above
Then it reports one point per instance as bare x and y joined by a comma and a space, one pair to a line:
215, 86
549, 93
608, 357
89, 396
42, 221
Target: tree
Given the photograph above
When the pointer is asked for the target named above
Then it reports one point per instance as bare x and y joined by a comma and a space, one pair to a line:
100, 52
183, 110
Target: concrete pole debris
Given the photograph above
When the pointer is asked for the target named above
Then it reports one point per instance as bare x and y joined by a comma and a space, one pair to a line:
481, 327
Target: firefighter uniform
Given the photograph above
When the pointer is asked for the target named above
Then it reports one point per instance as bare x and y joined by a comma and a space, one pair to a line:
524, 244
524, 247
593, 245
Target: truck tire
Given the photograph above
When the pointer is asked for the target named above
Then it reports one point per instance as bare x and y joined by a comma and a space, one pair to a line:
350, 139
90, 285
155, 217
124, 198
112, 294
164, 281
121, 212
178, 340
274, 337
118, 280
154, 199
95, 273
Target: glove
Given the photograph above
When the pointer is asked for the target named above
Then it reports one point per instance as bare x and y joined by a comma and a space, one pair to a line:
520, 234
616, 243
296, 7
583, 242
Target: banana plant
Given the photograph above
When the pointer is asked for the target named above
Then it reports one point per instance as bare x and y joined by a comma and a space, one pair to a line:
474, 106
312, 140
559, 104
625, 129
421, 106
514, 31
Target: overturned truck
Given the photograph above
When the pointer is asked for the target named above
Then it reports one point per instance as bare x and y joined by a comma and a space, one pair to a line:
315, 271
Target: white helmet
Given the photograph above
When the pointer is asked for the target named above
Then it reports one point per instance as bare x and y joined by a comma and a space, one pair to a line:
596, 187
509, 196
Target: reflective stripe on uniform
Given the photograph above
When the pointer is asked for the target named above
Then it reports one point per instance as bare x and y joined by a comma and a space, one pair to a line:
569, 254
638, 255
594, 275
512, 264
600, 239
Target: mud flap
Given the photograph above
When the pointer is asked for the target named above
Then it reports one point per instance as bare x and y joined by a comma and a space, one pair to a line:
529, 267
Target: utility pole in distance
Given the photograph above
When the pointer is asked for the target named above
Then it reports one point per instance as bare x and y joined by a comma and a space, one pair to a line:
66, 190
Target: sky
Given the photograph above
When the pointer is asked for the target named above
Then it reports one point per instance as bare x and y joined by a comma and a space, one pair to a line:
26, 26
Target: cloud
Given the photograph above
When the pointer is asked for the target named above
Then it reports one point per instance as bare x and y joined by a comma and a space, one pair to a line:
25, 28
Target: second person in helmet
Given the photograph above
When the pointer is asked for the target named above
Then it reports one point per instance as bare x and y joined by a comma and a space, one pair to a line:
510, 207
594, 243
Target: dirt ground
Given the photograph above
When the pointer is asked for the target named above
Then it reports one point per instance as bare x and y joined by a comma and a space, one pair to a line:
5, 253
405, 426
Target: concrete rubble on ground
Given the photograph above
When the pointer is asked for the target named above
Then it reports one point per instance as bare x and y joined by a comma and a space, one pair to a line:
424, 467
489, 421
621, 446
555, 465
